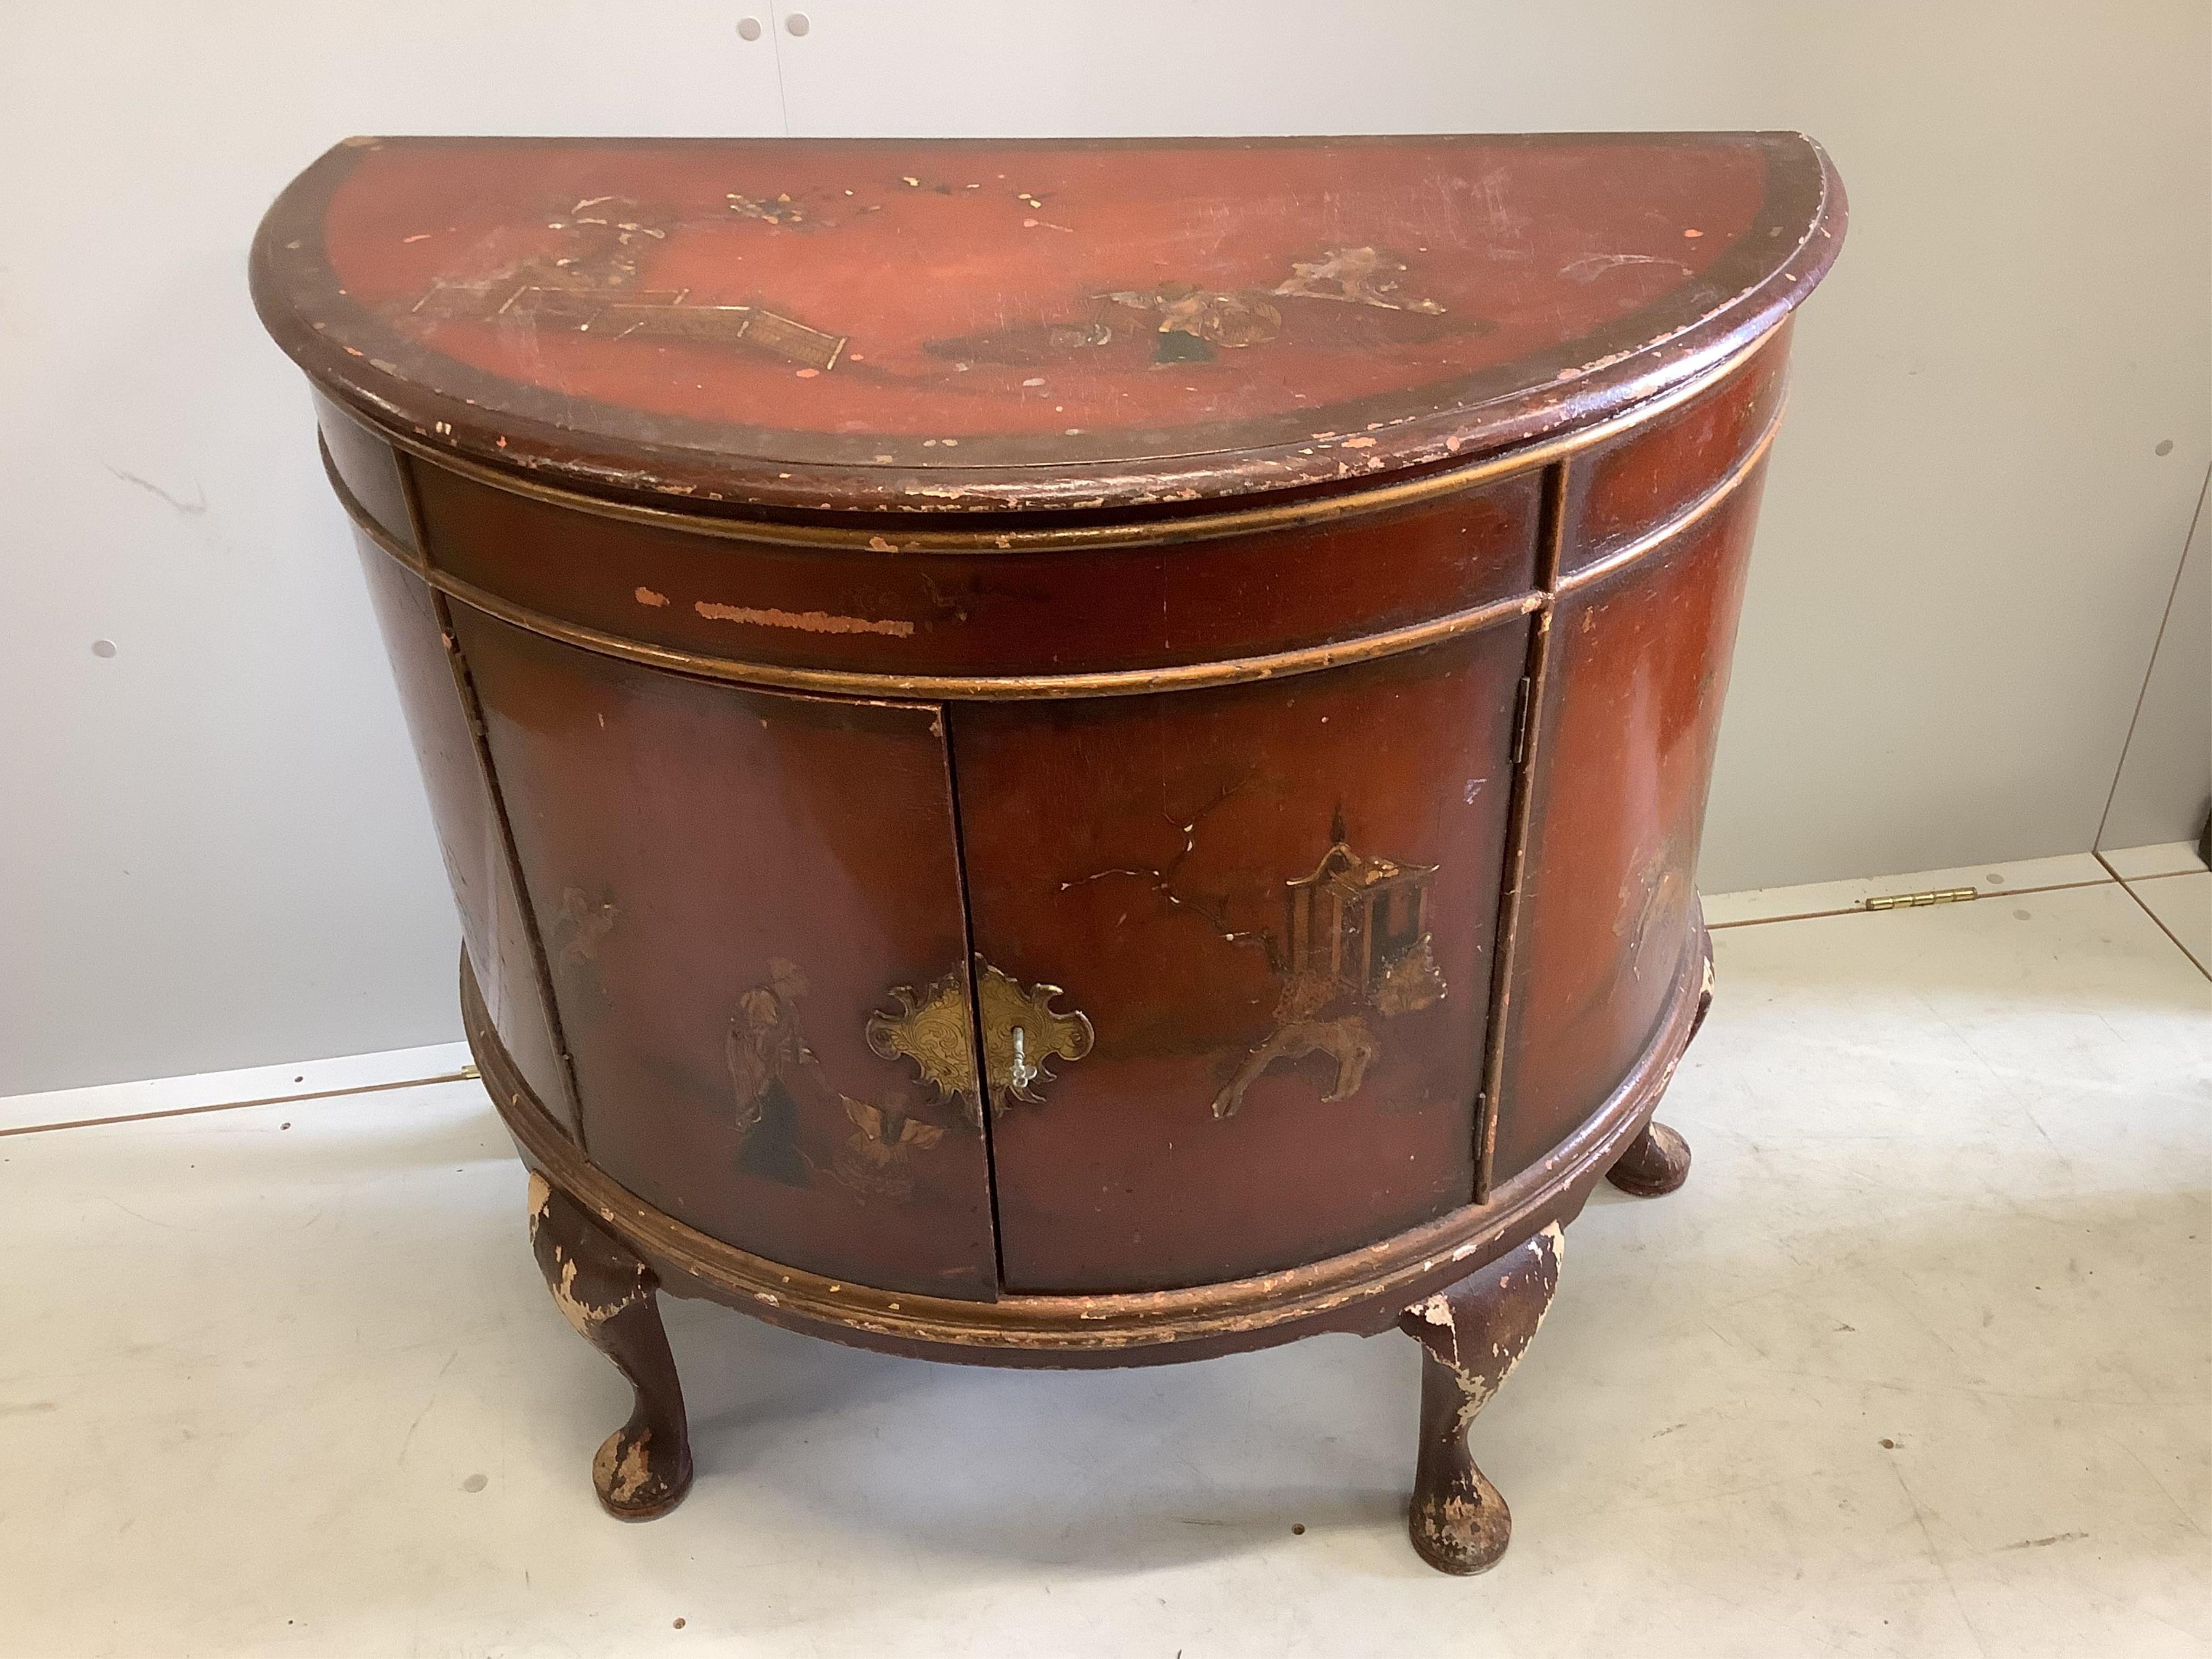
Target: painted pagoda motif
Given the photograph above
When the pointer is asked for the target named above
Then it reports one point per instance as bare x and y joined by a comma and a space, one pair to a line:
1356, 945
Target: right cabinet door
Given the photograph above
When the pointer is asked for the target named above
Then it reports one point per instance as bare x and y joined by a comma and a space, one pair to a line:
1629, 715
1269, 912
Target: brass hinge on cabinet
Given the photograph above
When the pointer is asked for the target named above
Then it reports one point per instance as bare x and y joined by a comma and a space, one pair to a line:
1914, 901
1523, 704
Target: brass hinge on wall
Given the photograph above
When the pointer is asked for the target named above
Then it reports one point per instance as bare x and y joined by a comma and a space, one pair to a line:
1914, 901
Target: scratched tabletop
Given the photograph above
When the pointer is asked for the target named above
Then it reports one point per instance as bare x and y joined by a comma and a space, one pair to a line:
1066, 324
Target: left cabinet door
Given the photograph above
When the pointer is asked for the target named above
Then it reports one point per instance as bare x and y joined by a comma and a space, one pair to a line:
751, 914
494, 929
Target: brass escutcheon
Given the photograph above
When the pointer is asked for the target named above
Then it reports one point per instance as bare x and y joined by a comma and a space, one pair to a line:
1022, 1031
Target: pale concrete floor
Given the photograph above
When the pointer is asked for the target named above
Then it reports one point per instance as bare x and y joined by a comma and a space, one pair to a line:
1919, 1363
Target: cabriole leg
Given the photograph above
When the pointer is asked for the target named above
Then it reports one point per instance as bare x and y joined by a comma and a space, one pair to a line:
644, 1468
1472, 1335
1658, 1160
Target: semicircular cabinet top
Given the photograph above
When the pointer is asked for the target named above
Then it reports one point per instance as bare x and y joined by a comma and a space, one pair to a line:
1071, 324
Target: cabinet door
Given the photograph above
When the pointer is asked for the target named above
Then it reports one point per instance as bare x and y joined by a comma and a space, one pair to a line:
1623, 753
1269, 910
493, 928
750, 903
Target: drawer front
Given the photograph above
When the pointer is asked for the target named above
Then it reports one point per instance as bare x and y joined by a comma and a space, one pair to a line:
494, 926
1272, 909
1633, 486
875, 611
732, 884
369, 468
1623, 753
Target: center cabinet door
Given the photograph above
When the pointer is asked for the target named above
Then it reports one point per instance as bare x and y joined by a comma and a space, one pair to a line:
1269, 910
750, 910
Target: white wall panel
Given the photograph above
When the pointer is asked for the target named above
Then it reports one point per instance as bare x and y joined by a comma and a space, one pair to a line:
213, 850
2164, 787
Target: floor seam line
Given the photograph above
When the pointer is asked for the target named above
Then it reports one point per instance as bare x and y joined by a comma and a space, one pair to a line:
237, 1105
2159, 922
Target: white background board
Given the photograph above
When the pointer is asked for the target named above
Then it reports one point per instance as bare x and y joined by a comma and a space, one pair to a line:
213, 848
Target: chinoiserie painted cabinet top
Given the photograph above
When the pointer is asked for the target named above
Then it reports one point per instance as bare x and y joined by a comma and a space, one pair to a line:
1040, 327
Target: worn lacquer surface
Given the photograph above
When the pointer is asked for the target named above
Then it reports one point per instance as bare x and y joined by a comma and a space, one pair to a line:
1026, 323
888, 609
732, 885
1638, 484
1074, 931
1623, 757
608, 1296
1276, 905
1472, 1336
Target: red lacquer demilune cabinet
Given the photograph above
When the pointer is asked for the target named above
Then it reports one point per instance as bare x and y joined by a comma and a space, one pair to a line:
1063, 753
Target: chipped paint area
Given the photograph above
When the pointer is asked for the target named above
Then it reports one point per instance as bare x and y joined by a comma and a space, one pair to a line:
1481, 1375
1474, 1334
584, 1317
1590, 267
540, 1200
1355, 276
647, 596
1360, 296
581, 924
623, 1472
810, 621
